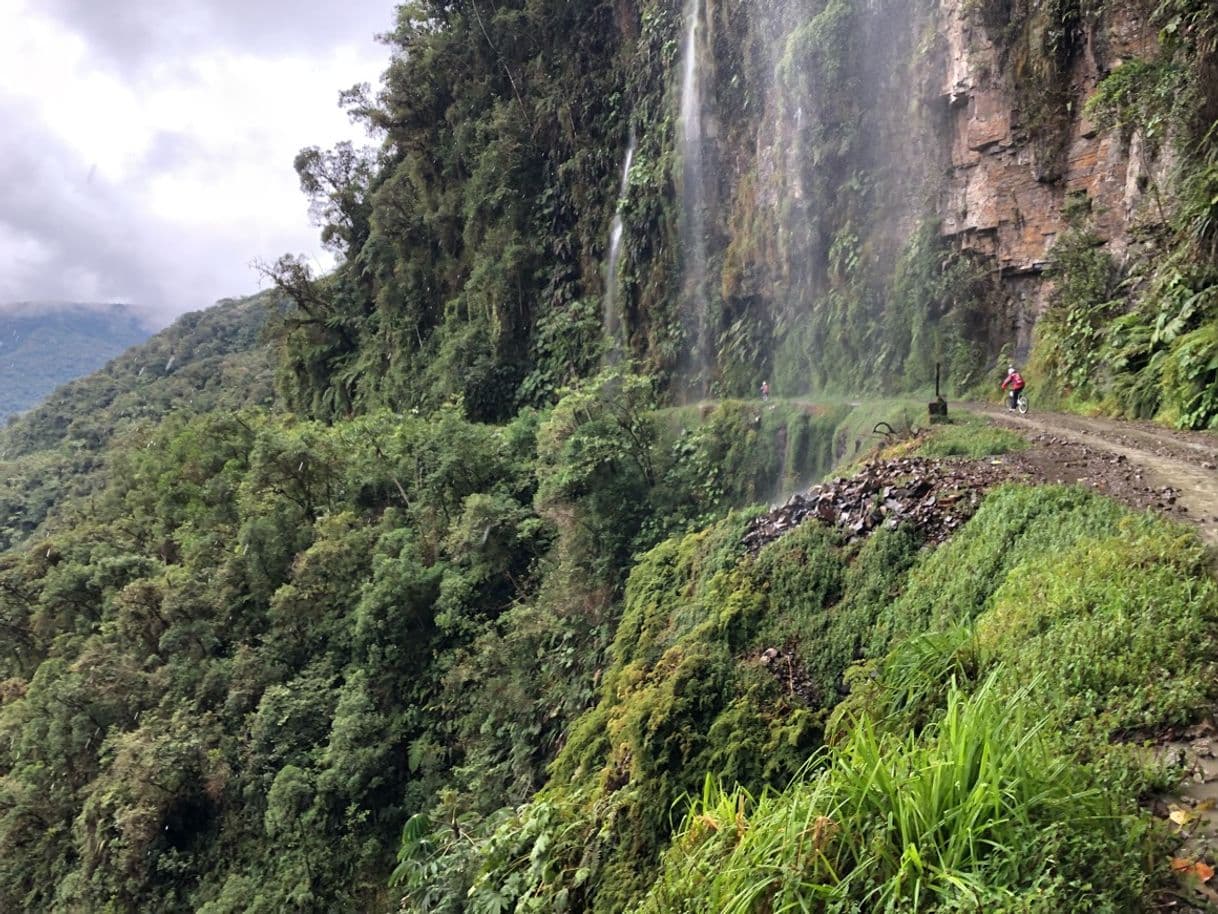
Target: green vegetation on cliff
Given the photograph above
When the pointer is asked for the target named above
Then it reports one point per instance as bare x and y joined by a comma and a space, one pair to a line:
451, 618
263, 651
256, 631
1140, 337
999, 674
474, 240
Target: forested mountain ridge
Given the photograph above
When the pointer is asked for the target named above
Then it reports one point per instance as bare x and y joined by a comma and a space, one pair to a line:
43, 345
206, 360
465, 615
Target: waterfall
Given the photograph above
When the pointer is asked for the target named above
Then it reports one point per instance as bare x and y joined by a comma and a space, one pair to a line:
787, 185
613, 317
781, 488
693, 205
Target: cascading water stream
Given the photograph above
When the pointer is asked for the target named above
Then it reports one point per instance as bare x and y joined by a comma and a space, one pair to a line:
693, 204
786, 183
613, 317
782, 486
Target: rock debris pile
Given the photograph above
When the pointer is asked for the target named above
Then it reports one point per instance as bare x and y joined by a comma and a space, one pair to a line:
935, 497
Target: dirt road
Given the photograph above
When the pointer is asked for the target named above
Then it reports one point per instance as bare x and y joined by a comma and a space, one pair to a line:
1170, 471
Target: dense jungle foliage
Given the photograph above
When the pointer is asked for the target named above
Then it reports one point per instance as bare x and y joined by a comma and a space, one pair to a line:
523, 649
257, 631
380, 592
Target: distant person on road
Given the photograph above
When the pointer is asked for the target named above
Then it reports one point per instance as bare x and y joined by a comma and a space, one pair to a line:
1013, 384
765, 391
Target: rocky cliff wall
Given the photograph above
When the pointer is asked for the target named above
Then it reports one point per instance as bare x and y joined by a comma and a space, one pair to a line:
1001, 197
841, 131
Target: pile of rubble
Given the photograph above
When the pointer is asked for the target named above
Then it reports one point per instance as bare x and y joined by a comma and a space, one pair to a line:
791, 673
936, 497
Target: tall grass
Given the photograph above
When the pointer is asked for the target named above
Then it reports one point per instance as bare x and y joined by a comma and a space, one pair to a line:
978, 812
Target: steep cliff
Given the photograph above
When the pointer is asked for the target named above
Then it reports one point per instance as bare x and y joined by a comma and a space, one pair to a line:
1022, 144
875, 119
831, 195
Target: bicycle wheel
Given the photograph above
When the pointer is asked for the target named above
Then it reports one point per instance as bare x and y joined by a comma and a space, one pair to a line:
1021, 403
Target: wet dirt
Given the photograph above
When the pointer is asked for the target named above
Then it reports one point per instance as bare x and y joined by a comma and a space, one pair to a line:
1173, 472
1190, 812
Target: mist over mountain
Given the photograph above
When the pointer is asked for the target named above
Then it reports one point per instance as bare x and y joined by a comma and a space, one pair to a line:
46, 344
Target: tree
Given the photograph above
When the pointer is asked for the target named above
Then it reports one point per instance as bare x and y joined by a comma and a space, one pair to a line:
337, 184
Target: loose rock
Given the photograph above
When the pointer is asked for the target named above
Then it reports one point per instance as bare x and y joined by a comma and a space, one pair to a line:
935, 497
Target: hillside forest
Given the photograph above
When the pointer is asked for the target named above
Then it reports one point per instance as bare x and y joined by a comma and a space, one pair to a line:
39, 351
432, 584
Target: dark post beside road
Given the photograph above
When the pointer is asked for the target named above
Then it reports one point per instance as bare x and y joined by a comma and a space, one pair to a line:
938, 406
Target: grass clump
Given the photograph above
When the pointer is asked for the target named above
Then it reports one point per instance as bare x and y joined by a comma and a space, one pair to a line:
974, 438
1116, 635
1112, 635
1015, 523
978, 812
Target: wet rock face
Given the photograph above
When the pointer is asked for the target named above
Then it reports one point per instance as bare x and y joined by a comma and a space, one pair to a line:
934, 497
1009, 177
833, 145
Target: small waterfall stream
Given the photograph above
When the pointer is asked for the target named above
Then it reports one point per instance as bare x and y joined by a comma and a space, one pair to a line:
787, 182
693, 204
613, 316
782, 486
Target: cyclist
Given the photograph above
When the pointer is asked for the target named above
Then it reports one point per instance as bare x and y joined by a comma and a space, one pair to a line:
765, 391
1013, 384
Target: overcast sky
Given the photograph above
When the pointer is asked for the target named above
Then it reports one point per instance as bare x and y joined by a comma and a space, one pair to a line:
146, 146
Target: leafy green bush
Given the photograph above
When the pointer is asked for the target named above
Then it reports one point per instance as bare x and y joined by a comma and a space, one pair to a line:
1068, 351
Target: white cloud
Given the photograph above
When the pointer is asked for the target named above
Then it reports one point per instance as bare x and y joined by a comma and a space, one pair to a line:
149, 154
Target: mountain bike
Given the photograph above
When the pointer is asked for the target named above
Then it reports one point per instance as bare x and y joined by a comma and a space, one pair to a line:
1021, 403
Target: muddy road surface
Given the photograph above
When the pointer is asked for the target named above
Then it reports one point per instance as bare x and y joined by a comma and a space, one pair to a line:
1143, 465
